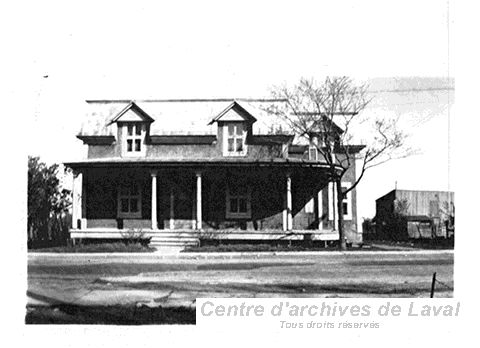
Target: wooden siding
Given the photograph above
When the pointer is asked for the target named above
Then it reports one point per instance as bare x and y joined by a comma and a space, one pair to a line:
188, 151
427, 203
419, 203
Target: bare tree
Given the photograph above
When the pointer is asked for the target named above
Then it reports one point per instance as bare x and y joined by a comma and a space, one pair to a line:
327, 115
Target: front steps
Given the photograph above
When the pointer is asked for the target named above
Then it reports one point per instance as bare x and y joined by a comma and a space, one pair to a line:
174, 239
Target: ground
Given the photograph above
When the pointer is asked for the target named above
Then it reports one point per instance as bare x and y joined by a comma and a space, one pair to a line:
107, 288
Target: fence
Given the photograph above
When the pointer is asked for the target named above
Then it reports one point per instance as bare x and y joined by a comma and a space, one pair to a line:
436, 281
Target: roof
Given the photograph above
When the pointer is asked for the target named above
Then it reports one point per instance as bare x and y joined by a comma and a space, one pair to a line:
395, 191
135, 108
179, 116
203, 162
240, 111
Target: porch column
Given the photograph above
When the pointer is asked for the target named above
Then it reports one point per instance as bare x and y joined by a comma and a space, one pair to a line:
199, 201
289, 202
77, 201
172, 209
334, 205
320, 210
154, 200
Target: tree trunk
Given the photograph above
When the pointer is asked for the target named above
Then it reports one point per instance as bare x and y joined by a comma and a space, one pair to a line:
342, 245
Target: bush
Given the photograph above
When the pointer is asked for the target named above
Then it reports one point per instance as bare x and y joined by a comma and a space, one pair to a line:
114, 247
263, 247
135, 236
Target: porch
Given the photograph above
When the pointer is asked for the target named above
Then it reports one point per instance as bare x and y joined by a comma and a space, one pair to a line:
192, 237
182, 203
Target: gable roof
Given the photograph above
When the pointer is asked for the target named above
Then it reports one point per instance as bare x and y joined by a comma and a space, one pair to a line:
330, 125
136, 109
240, 112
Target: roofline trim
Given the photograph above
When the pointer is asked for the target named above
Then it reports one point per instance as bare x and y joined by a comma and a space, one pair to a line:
193, 100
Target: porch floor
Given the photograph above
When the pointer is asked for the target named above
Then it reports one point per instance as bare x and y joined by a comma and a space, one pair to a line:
185, 234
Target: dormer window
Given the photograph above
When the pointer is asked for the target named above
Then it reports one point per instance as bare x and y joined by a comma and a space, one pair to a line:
234, 142
313, 148
313, 153
132, 124
234, 122
133, 139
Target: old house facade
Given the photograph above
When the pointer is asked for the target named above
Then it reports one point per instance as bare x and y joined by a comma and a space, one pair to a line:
180, 169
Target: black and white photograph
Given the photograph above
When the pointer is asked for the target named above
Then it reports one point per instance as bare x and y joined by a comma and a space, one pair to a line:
188, 165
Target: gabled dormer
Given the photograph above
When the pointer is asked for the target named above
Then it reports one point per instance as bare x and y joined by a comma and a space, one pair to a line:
234, 129
133, 129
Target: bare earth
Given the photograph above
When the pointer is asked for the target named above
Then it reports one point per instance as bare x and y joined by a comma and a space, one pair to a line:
173, 281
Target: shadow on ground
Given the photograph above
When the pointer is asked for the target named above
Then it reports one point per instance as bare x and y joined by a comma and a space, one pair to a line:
366, 288
112, 315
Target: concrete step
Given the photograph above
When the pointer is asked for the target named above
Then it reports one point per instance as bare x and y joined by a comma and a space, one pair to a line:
172, 243
173, 234
172, 239
175, 242
160, 238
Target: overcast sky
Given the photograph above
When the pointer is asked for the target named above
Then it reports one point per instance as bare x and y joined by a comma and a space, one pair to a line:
219, 49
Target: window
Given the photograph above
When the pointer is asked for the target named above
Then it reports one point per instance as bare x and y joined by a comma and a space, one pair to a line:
346, 203
134, 133
235, 135
313, 153
129, 201
238, 201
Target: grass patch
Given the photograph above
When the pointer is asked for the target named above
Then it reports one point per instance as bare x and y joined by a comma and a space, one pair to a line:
117, 247
430, 244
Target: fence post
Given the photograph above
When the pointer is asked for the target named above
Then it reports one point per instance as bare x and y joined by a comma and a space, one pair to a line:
432, 289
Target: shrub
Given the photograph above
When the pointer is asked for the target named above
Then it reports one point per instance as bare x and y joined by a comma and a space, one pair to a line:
113, 247
135, 236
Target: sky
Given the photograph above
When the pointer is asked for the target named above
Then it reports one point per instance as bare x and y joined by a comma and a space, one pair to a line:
186, 49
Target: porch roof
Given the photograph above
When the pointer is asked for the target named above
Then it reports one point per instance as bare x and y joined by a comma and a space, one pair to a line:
199, 162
